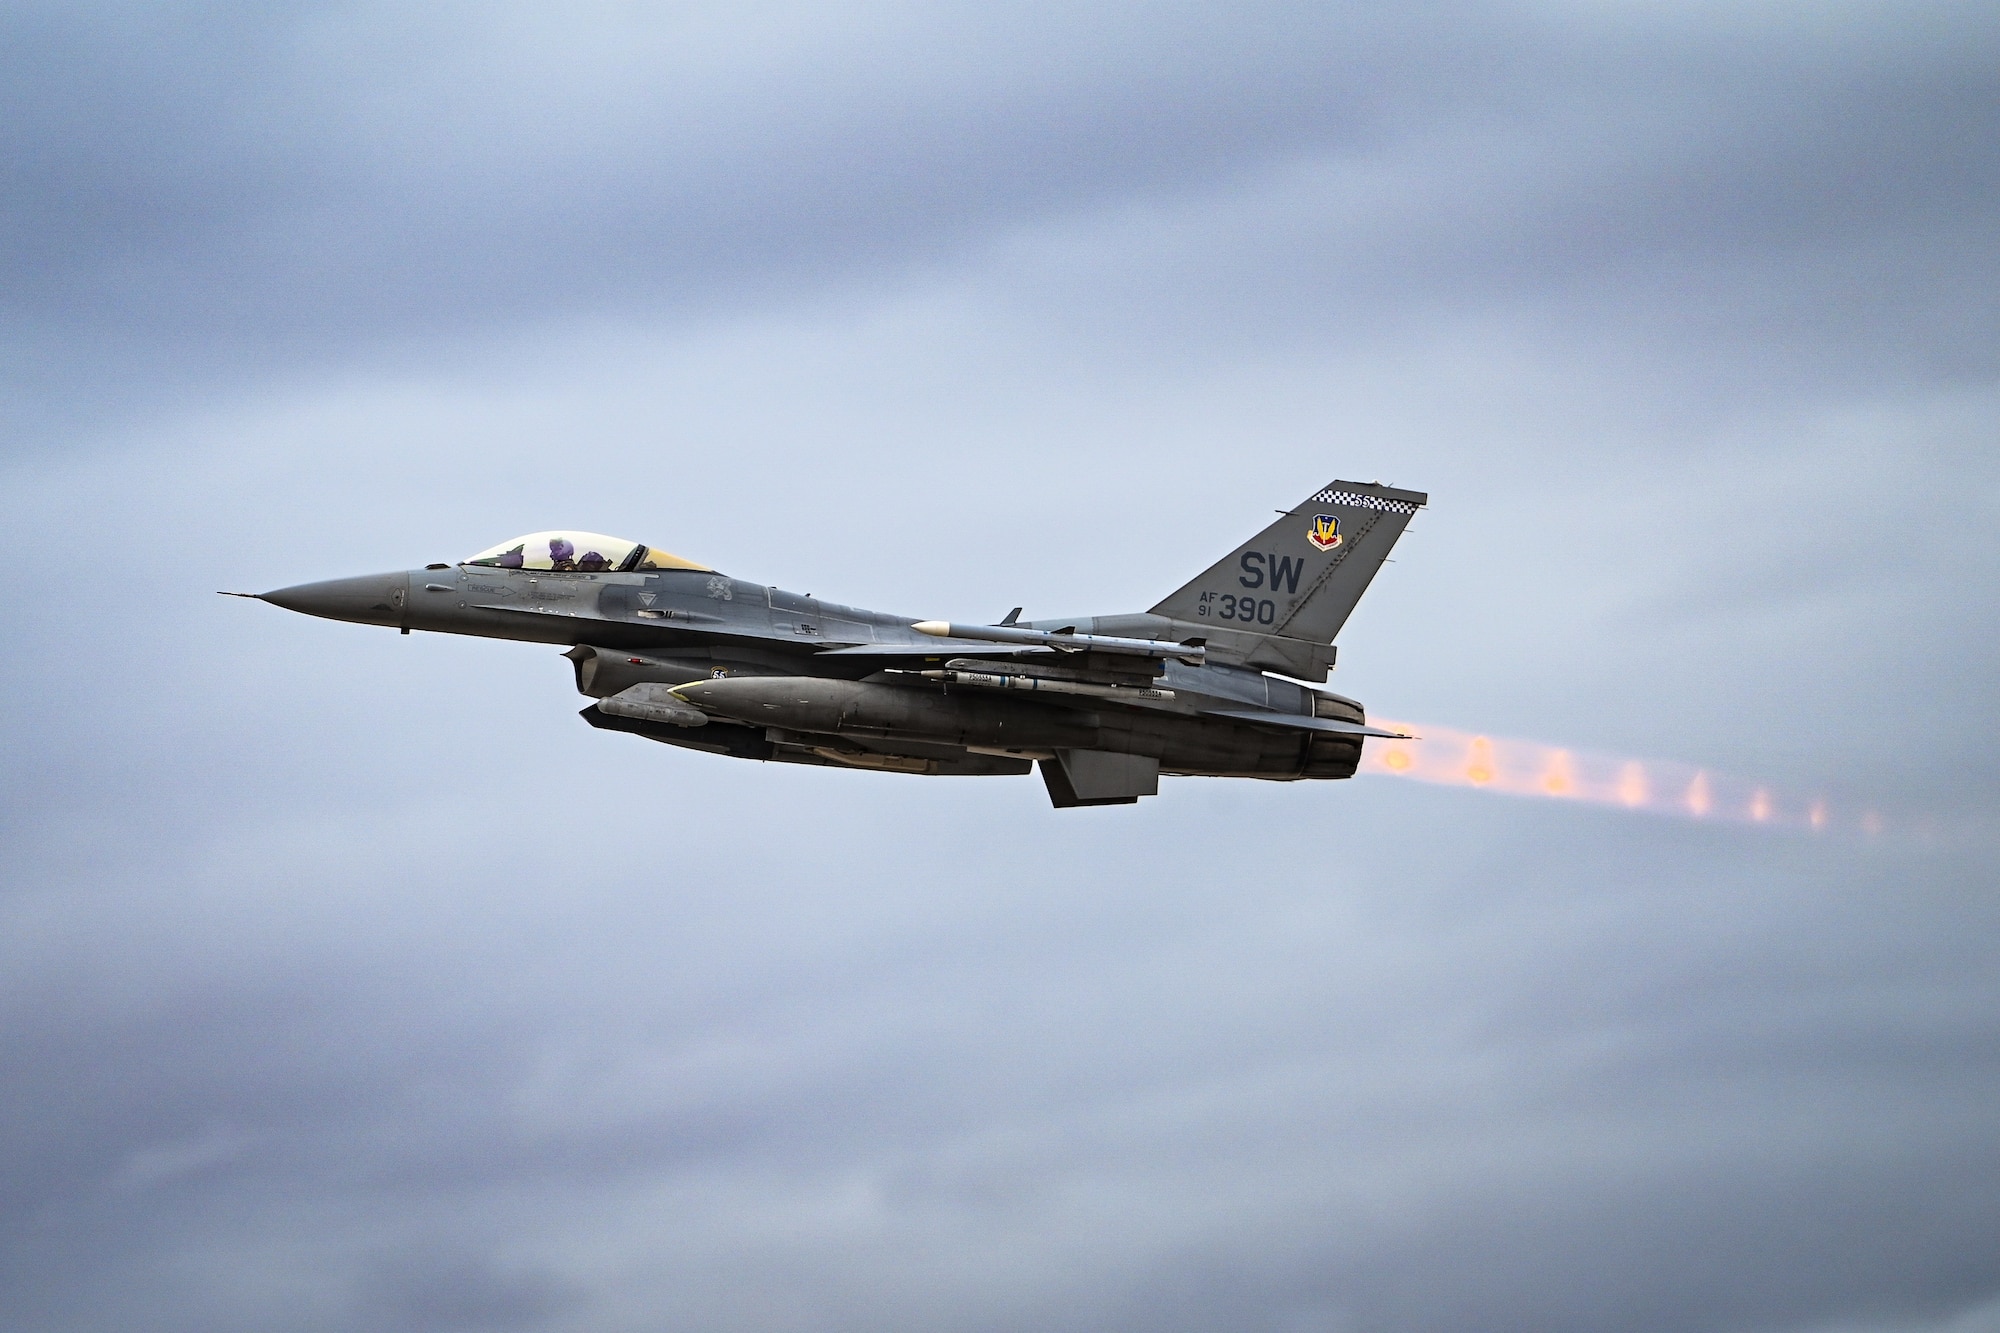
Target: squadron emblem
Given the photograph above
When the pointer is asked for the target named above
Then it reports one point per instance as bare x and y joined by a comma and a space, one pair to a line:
1325, 532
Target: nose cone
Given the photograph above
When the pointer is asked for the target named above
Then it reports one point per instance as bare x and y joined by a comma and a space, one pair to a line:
373, 599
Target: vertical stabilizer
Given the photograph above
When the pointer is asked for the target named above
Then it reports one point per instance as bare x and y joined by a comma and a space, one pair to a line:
1301, 577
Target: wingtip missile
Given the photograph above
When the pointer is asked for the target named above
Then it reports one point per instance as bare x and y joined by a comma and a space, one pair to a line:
1064, 640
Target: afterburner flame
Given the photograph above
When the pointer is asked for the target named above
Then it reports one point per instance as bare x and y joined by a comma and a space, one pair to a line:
1658, 786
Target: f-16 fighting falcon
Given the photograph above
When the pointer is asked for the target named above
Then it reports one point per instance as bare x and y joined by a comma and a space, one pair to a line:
1206, 683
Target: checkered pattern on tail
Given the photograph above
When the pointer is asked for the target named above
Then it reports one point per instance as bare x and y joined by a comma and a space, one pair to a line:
1356, 500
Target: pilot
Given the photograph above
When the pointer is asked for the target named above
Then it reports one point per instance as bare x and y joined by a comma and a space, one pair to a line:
592, 562
561, 554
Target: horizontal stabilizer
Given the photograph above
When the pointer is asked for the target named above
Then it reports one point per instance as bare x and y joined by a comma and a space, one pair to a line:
1299, 722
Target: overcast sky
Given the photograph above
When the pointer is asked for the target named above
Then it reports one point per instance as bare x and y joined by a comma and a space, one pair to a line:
349, 982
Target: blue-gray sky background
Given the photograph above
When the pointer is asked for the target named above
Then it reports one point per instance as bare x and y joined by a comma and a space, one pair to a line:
349, 982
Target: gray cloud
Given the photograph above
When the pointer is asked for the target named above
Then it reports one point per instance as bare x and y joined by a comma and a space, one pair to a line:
242, 187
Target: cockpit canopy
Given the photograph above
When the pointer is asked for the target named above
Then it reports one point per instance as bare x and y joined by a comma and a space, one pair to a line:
588, 552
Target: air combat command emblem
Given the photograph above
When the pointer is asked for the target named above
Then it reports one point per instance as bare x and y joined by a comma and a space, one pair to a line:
1325, 532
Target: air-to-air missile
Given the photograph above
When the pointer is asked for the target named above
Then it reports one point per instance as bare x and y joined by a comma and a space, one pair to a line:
1223, 678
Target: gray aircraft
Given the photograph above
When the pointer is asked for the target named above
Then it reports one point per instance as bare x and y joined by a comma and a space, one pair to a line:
1207, 683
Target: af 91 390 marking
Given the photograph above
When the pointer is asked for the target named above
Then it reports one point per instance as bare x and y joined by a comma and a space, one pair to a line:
1228, 606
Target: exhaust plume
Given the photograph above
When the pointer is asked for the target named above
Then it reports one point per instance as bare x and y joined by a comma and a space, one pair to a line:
1454, 758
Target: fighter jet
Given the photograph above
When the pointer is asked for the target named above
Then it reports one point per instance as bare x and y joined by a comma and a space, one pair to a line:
1223, 678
